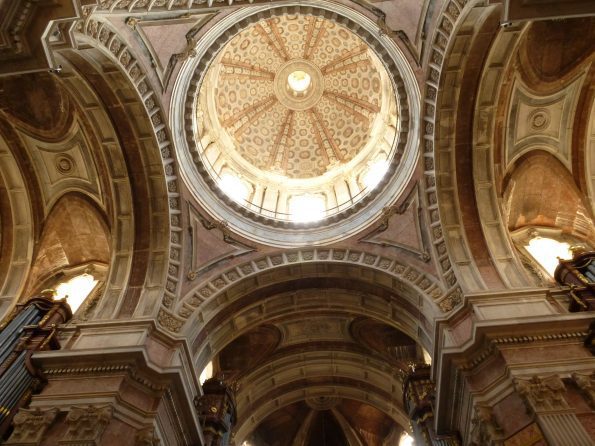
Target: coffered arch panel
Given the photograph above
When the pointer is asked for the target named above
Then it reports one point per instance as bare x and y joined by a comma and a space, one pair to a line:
137, 196
17, 228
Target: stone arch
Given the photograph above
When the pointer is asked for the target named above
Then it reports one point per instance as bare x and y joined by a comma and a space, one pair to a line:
267, 305
469, 204
74, 233
349, 383
132, 161
399, 292
17, 223
164, 263
266, 269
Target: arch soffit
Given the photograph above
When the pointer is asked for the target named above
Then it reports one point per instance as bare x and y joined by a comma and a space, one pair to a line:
320, 363
107, 39
211, 338
204, 300
81, 241
301, 390
459, 23
151, 180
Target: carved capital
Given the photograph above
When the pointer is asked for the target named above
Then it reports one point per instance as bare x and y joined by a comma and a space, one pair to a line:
542, 394
586, 382
86, 425
30, 426
485, 430
146, 437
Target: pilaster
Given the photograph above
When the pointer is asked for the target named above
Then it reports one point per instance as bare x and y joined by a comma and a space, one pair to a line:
544, 396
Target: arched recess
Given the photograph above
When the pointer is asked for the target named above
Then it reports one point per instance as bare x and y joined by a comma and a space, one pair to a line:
309, 287
540, 191
462, 36
469, 204
132, 158
108, 49
318, 385
204, 301
75, 233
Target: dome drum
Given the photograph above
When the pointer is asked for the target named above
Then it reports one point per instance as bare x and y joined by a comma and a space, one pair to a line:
260, 146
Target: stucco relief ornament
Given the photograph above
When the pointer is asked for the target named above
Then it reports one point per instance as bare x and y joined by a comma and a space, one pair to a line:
30, 426
485, 429
586, 382
86, 424
542, 394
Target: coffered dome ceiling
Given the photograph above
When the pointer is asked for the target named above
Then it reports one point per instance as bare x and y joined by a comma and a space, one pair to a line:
296, 118
267, 120
296, 106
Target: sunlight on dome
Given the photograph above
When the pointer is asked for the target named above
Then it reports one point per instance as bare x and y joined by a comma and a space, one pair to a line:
406, 440
233, 187
305, 208
206, 373
547, 250
76, 290
374, 174
299, 81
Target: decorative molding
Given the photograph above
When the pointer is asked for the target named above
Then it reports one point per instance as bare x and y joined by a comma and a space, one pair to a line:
493, 344
130, 369
30, 426
406, 273
86, 425
169, 321
485, 430
114, 44
157, 6
586, 382
542, 394
451, 15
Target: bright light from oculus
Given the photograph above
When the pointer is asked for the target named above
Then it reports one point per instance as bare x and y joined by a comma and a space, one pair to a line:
206, 373
547, 250
306, 208
233, 187
374, 174
76, 290
406, 440
299, 81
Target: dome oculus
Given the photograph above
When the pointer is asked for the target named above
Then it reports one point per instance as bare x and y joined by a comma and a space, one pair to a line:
299, 81
296, 106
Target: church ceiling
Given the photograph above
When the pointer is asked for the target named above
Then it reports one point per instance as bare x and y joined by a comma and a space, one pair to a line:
298, 134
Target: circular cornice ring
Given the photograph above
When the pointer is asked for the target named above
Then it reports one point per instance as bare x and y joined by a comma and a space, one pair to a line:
312, 94
286, 233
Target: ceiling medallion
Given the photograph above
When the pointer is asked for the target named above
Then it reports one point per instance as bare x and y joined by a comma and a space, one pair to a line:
299, 84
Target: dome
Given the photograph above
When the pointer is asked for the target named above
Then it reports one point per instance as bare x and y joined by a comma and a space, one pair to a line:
297, 120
